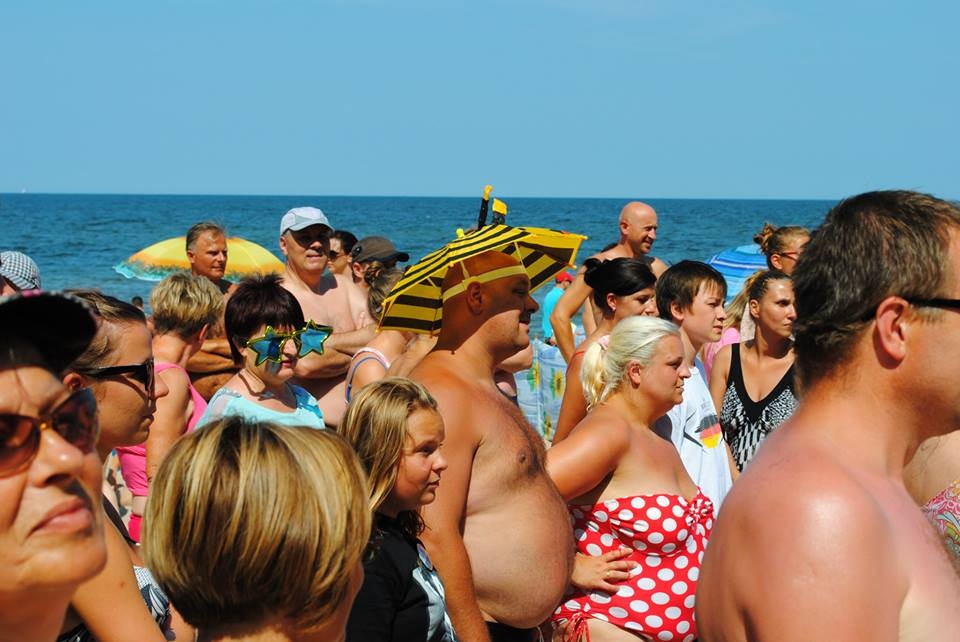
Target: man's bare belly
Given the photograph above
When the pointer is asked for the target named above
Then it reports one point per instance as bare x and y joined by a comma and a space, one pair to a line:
521, 552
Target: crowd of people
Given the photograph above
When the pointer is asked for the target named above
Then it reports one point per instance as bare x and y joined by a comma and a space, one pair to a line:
254, 461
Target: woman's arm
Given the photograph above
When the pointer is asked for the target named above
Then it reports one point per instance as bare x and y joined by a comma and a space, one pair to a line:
719, 376
591, 452
110, 604
170, 418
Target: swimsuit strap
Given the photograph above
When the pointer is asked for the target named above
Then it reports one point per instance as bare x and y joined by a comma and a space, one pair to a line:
353, 371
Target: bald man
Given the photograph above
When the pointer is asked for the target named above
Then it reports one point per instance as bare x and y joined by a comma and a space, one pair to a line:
498, 531
638, 231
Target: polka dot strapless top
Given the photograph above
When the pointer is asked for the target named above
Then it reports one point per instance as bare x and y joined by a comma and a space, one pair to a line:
667, 535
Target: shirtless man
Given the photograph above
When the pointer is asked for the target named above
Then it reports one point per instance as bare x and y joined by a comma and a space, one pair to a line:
213, 365
638, 231
819, 539
498, 532
328, 299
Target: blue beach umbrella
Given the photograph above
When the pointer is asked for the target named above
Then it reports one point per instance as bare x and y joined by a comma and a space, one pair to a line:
736, 264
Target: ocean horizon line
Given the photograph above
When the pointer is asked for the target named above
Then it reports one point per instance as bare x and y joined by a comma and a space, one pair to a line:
433, 196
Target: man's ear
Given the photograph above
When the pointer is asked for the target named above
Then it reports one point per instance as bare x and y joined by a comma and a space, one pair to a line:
893, 320
474, 297
73, 381
283, 244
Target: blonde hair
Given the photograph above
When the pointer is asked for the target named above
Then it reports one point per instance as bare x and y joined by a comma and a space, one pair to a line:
249, 521
183, 303
605, 362
376, 426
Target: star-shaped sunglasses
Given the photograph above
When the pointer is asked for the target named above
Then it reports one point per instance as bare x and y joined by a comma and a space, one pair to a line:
269, 347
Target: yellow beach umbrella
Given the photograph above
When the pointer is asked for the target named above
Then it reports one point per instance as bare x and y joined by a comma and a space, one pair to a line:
415, 302
161, 259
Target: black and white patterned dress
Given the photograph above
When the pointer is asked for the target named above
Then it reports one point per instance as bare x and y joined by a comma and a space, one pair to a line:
746, 422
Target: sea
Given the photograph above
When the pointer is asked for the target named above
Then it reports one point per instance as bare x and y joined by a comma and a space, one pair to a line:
77, 239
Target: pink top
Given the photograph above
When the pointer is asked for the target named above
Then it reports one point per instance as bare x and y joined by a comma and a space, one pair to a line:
730, 335
133, 459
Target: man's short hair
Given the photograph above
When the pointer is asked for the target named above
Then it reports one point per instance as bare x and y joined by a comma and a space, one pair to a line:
202, 228
870, 247
681, 282
259, 301
253, 521
183, 303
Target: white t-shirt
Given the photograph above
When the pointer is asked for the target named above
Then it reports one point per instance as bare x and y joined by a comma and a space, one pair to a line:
694, 428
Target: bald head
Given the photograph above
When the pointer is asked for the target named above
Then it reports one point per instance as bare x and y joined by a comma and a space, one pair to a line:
638, 227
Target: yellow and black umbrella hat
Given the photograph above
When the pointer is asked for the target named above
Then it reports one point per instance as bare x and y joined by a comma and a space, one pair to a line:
416, 304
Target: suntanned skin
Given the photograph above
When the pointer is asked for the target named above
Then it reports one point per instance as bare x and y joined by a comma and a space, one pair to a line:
328, 299
613, 452
638, 231
212, 365
498, 532
767, 357
821, 519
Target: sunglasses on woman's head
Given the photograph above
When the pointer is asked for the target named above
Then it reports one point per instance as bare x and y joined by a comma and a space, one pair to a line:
142, 372
75, 420
269, 347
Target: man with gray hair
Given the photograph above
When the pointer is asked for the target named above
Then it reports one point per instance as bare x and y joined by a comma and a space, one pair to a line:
328, 299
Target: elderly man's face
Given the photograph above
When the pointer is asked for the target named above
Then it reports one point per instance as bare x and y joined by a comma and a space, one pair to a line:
209, 256
307, 249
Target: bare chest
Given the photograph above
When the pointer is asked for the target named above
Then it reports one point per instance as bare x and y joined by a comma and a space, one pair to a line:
510, 453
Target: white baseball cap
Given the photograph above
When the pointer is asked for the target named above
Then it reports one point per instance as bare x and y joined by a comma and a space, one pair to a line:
302, 217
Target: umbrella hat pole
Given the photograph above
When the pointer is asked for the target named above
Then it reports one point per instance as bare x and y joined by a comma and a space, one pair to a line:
484, 204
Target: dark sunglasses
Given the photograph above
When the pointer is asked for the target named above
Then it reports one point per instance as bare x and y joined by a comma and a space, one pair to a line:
75, 420
333, 255
142, 372
950, 304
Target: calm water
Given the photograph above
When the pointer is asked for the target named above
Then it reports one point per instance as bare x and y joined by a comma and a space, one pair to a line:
77, 239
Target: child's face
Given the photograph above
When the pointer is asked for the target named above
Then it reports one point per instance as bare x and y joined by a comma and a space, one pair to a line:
703, 320
421, 463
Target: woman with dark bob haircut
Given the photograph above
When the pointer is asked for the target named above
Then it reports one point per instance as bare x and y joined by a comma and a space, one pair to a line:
267, 334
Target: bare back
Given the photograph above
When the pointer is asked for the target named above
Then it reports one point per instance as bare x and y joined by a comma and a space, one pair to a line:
514, 525
839, 547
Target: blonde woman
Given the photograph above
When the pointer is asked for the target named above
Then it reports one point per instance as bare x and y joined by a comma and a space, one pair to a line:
394, 426
628, 490
257, 530
184, 308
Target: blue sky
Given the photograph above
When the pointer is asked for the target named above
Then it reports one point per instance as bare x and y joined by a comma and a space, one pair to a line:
613, 98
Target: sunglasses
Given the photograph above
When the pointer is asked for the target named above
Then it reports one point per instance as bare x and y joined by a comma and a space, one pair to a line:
333, 255
142, 372
75, 420
269, 347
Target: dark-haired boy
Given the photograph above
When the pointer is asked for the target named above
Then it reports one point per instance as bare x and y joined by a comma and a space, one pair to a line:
691, 295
